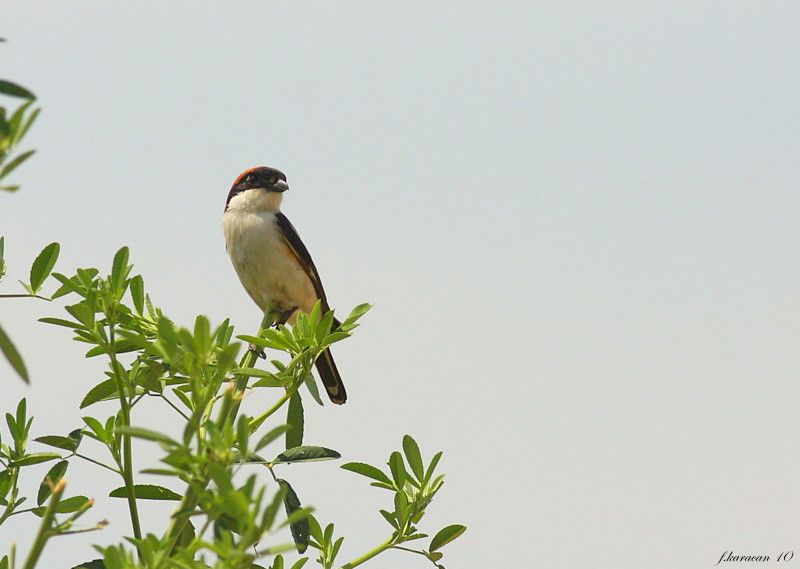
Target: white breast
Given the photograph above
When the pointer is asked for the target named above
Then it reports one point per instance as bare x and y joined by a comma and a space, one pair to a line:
268, 270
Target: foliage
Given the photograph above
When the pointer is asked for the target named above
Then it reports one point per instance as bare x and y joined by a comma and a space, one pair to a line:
13, 128
14, 125
232, 509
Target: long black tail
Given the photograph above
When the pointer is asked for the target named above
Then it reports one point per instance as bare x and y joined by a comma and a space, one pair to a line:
330, 377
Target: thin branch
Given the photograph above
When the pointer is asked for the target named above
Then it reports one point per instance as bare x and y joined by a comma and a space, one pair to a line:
97, 462
100, 525
127, 451
192, 497
44, 528
171, 404
26, 295
370, 554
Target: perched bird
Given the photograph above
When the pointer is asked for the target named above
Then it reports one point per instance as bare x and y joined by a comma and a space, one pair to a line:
272, 262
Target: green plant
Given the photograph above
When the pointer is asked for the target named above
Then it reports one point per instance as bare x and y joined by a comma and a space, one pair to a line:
220, 521
13, 129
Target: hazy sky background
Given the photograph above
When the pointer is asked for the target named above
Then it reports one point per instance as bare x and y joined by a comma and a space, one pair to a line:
578, 223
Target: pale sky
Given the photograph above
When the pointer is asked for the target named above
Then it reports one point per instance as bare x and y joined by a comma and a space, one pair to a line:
578, 223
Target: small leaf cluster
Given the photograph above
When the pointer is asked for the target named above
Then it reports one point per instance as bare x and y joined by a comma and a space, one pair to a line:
58, 513
221, 520
13, 128
40, 270
414, 486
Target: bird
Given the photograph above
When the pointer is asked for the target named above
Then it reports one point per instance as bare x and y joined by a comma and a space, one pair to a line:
273, 264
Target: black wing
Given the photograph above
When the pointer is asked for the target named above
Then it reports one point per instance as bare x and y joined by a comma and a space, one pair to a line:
302, 254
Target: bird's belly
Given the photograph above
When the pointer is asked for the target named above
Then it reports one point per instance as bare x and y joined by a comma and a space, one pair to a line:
267, 268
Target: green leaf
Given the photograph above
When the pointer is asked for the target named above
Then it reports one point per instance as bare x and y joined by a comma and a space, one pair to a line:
268, 518
202, 333
445, 536
57, 441
64, 323
299, 563
22, 411
299, 528
390, 518
270, 437
146, 492
43, 265
69, 443
242, 434
368, 471
357, 313
24, 130
2, 260
16, 120
53, 475
311, 385
306, 454
162, 472
12, 355
72, 504
67, 286
294, 420
5, 484
401, 506
120, 269
96, 428
254, 372
398, 469
184, 399
186, 537
432, 466
12, 165
35, 458
137, 293
148, 435
14, 90
315, 530
413, 456
324, 327
101, 391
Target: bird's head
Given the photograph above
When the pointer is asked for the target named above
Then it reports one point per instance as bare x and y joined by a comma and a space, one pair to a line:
267, 185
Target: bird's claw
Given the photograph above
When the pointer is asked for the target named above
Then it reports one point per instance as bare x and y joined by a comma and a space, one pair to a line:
257, 351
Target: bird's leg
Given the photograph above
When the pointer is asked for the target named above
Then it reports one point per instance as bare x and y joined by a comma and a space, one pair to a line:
276, 317
257, 351
284, 316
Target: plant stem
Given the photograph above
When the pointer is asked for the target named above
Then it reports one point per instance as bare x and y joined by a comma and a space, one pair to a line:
171, 404
44, 528
370, 554
258, 421
127, 456
25, 296
9, 511
249, 360
98, 463
192, 497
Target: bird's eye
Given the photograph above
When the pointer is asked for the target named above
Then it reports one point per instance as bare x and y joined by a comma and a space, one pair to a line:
251, 179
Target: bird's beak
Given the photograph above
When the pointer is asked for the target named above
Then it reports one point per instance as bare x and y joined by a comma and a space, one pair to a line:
279, 186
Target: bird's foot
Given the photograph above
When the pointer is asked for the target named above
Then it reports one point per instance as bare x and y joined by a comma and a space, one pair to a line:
284, 316
257, 351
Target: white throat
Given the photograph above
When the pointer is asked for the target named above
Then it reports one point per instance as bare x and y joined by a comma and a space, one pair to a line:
256, 200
